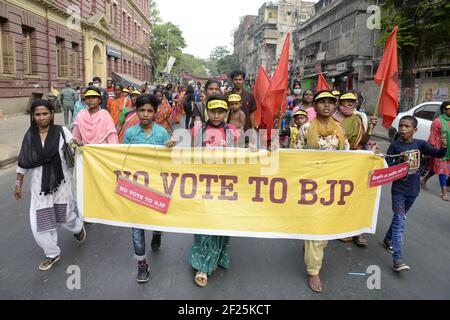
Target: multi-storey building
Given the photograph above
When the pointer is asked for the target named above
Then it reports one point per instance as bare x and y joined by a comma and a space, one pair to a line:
265, 35
337, 42
48, 43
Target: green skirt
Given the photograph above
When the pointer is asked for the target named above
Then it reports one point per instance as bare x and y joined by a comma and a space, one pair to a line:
209, 252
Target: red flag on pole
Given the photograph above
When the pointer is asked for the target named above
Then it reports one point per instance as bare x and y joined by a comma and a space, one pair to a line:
275, 99
261, 86
387, 78
322, 83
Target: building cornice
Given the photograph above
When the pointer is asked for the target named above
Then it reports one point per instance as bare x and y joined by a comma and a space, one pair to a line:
139, 11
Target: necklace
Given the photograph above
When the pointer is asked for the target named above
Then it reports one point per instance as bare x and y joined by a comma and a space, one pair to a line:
43, 132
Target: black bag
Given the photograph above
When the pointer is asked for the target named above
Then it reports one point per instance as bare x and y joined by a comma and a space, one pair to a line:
69, 153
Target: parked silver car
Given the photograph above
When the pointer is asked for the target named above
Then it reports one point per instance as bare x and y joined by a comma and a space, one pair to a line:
425, 113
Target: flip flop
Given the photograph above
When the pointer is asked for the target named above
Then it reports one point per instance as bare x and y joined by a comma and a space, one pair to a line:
445, 197
315, 284
201, 279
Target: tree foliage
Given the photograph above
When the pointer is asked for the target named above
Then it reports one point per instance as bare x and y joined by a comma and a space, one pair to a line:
424, 25
221, 61
193, 65
161, 38
424, 31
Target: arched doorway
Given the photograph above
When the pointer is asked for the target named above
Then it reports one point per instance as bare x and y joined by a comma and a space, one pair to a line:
96, 62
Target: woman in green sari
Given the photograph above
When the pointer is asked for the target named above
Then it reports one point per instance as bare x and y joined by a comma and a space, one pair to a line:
210, 252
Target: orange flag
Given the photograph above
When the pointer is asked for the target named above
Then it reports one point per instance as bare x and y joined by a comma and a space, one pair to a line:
322, 83
275, 99
261, 86
388, 72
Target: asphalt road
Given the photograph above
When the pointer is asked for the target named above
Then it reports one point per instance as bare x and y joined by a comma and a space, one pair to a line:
260, 269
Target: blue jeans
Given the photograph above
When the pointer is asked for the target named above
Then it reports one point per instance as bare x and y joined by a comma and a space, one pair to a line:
401, 205
139, 243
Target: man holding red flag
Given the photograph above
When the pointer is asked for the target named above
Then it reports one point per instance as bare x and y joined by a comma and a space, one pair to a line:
248, 101
387, 78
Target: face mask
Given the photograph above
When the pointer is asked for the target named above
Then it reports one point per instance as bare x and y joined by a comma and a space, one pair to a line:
297, 92
97, 85
347, 111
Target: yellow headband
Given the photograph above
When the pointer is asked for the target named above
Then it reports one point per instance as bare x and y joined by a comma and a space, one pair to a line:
448, 106
216, 104
325, 94
92, 93
336, 93
301, 113
234, 98
125, 90
348, 96
136, 92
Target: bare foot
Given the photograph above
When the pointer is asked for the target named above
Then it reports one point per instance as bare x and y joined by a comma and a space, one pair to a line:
423, 184
315, 284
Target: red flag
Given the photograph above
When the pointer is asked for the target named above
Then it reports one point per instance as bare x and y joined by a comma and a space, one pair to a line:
322, 83
275, 99
261, 86
388, 72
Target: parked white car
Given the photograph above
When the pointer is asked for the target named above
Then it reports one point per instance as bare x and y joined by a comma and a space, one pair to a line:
425, 113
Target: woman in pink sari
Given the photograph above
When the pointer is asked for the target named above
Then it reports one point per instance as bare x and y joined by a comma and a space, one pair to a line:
94, 125
131, 120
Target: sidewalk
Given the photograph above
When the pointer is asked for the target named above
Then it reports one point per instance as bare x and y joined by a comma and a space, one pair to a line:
12, 131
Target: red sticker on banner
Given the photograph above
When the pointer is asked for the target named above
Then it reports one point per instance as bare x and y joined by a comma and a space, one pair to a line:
385, 176
143, 195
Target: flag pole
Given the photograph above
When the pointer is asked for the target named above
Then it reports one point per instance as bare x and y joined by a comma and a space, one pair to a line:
377, 109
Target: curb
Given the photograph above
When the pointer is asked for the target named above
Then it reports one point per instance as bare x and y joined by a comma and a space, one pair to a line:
8, 161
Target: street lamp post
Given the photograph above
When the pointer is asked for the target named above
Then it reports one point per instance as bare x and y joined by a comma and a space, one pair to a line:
168, 43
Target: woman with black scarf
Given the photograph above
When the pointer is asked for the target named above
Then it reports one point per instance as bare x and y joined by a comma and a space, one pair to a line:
51, 182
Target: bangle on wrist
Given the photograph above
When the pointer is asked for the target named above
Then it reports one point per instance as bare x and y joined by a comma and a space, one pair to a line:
19, 183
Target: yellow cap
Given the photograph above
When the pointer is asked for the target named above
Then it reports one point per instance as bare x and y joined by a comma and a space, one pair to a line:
92, 93
136, 92
348, 96
325, 94
336, 93
216, 104
448, 106
234, 98
301, 113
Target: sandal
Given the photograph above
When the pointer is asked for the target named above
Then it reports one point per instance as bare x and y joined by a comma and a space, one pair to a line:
361, 241
346, 239
315, 284
445, 197
201, 279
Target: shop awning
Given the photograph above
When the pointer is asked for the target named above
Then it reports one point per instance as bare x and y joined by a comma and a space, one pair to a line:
314, 75
126, 80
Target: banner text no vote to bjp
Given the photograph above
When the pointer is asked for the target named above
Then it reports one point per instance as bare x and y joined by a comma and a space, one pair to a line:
290, 194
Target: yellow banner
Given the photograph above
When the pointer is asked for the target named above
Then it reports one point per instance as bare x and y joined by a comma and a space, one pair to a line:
290, 194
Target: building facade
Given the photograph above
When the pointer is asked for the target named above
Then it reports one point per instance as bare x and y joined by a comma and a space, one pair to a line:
48, 43
337, 42
264, 36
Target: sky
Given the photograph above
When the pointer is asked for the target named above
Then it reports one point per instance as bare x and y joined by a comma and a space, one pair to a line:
207, 24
